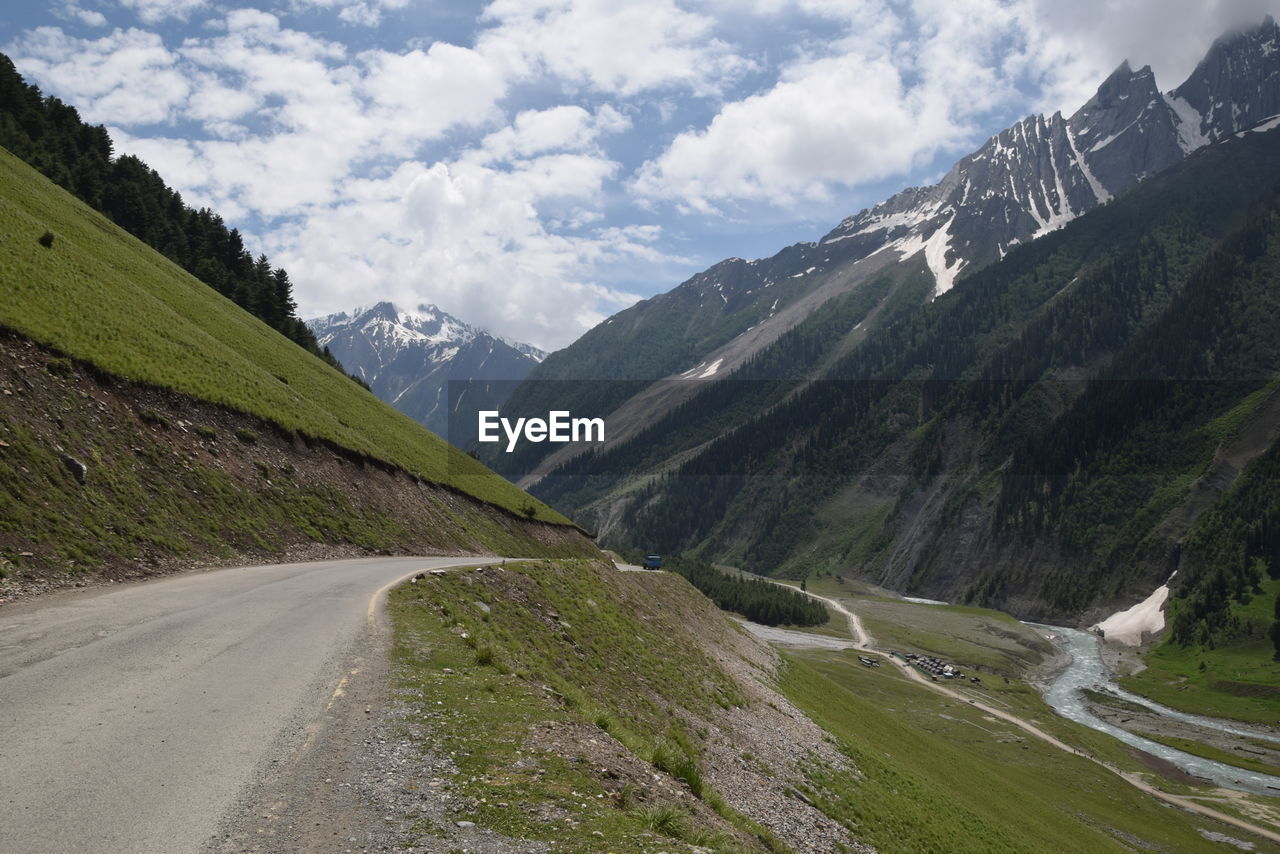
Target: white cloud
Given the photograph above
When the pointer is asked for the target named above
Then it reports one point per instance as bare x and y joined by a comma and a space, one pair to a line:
470, 238
155, 11
565, 128
840, 120
104, 77
611, 45
292, 116
214, 101
895, 85
73, 11
635, 241
421, 94
362, 14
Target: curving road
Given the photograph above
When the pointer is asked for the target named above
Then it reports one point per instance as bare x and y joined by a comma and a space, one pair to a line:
131, 717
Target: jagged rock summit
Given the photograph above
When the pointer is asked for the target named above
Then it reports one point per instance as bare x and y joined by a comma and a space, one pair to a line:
1041, 173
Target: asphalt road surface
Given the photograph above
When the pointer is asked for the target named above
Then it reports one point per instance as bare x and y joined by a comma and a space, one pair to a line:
132, 716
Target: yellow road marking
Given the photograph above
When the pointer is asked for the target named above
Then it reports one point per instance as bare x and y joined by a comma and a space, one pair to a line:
341, 689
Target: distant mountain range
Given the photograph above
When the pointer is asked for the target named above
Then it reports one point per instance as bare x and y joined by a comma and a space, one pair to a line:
408, 357
817, 408
1023, 183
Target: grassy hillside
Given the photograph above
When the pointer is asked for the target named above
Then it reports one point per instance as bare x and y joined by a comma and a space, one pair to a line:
101, 296
581, 703
610, 711
1236, 676
104, 478
939, 776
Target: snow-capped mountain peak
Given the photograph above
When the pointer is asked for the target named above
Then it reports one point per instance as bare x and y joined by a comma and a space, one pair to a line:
1235, 86
389, 328
407, 356
528, 349
1041, 173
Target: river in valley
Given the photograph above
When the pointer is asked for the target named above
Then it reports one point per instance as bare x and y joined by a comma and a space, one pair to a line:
1087, 671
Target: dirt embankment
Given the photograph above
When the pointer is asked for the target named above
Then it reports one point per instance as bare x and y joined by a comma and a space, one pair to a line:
103, 479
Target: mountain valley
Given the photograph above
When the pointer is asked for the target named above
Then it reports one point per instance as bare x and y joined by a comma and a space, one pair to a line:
858, 401
865, 502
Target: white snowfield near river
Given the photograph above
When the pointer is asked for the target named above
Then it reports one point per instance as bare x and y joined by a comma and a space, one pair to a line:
1147, 617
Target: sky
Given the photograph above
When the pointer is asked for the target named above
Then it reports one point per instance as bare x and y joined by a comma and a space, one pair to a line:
535, 166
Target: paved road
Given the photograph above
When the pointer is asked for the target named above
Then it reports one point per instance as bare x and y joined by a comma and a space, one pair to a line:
131, 717
791, 637
631, 567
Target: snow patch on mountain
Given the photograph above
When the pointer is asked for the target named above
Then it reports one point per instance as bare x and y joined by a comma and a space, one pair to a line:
1145, 618
1190, 123
703, 370
1100, 193
1268, 124
936, 247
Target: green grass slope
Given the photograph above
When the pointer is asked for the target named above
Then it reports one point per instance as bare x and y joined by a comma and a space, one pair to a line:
938, 775
1236, 676
596, 710
574, 702
99, 295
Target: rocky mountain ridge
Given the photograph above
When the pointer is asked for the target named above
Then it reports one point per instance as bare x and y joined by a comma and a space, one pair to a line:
1092, 413
1043, 172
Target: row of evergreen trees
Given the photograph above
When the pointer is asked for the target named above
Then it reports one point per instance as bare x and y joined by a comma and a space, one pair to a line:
759, 601
51, 136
